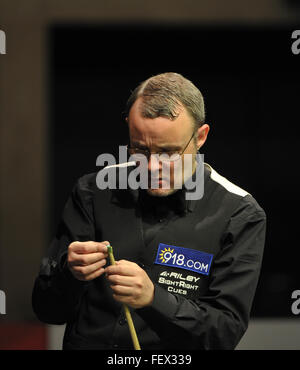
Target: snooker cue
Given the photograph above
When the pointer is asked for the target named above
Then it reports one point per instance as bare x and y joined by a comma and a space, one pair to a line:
134, 337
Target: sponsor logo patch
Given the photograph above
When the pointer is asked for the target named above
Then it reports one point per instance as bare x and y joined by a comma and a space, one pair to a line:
184, 258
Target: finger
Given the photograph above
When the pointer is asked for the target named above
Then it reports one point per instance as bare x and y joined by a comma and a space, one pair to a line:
125, 299
89, 247
86, 270
128, 281
120, 298
86, 259
123, 291
125, 267
121, 269
94, 274
125, 262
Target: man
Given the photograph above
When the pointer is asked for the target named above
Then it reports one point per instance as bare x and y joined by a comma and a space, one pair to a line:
187, 268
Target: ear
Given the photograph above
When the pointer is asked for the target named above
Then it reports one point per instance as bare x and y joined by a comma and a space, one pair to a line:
202, 133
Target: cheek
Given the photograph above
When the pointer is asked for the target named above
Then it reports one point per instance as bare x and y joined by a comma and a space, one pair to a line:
188, 163
167, 170
175, 170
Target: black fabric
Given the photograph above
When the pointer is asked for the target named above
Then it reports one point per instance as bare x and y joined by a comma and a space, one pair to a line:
157, 211
190, 310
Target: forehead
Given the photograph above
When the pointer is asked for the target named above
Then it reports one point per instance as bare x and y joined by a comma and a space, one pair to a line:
159, 129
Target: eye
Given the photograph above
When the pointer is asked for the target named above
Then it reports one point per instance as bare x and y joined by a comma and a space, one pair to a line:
142, 151
168, 152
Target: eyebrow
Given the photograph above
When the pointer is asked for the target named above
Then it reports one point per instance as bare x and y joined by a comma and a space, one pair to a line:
167, 146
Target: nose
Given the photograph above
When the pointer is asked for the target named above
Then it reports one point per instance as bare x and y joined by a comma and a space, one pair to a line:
154, 165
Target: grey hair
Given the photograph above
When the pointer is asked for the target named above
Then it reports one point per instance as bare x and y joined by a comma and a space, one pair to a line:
165, 94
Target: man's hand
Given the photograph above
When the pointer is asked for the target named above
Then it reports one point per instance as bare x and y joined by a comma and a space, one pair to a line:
130, 284
86, 259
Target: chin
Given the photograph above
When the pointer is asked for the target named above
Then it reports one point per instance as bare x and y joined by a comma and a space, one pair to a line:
161, 192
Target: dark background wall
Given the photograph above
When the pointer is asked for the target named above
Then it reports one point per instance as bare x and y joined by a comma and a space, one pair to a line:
251, 85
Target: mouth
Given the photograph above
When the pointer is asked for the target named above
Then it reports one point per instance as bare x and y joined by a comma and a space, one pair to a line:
155, 179
158, 183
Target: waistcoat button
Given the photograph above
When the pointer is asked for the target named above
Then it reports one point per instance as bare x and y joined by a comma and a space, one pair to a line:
122, 321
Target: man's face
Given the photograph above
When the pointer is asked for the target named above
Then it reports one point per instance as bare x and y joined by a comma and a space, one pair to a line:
163, 135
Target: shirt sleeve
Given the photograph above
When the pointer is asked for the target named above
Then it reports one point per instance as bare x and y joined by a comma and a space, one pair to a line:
218, 319
56, 292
